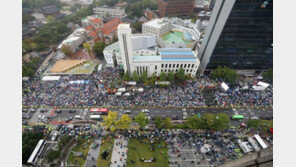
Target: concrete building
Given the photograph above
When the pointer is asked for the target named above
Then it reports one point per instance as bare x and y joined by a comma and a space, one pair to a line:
50, 11
173, 32
149, 58
239, 35
110, 12
175, 7
74, 40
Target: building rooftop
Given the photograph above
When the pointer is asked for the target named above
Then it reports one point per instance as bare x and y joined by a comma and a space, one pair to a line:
177, 54
146, 58
111, 26
49, 10
157, 23
175, 37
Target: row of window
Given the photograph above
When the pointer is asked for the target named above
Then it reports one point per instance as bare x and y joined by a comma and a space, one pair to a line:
176, 70
177, 65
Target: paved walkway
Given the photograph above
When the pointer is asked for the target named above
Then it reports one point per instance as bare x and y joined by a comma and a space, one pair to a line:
93, 155
119, 153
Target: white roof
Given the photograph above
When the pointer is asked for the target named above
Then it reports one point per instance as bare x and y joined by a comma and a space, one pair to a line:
224, 86
51, 78
33, 155
157, 23
263, 84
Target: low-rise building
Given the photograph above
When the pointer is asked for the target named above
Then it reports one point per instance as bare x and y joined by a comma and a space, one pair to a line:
75, 39
110, 12
149, 58
50, 11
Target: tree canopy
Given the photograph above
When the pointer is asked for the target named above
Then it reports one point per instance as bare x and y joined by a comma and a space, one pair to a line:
225, 73
141, 119
110, 121
29, 142
180, 75
124, 122
98, 49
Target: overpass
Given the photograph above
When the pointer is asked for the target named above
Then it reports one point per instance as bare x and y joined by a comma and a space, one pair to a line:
263, 158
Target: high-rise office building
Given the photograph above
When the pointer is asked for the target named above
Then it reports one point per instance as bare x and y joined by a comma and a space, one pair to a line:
175, 7
239, 35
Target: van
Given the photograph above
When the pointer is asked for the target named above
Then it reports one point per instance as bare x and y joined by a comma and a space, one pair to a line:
77, 117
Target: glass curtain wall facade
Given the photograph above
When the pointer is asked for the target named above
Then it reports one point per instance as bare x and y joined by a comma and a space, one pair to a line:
246, 40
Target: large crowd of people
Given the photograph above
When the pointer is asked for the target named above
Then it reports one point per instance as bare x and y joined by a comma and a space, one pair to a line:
62, 93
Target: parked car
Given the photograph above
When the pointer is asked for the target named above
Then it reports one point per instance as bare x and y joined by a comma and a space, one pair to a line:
72, 111
266, 117
145, 110
254, 118
69, 119
127, 111
175, 117
26, 117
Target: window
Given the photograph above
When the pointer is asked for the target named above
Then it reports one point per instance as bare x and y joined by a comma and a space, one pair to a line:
173, 65
166, 65
161, 65
177, 65
165, 70
170, 65
187, 70
185, 65
192, 65
155, 67
191, 70
181, 66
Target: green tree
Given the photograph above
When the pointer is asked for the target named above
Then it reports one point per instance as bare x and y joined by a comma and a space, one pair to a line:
110, 121
221, 121
26, 18
66, 50
193, 122
225, 73
87, 47
135, 76
180, 75
171, 76
98, 49
126, 76
52, 155
27, 71
29, 142
144, 77
138, 26
153, 78
162, 76
49, 19
167, 123
158, 122
141, 119
208, 120
124, 122
268, 74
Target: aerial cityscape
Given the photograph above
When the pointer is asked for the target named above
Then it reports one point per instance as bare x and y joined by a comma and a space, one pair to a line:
152, 83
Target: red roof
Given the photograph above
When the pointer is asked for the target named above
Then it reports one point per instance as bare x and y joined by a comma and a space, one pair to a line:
99, 29
97, 39
93, 34
88, 28
150, 15
111, 26
96, 20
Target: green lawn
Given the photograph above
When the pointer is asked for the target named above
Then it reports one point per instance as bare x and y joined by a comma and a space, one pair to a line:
142, 150
83, 69
107, 145
79, 148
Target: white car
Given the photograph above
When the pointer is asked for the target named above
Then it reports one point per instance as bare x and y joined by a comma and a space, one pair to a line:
185, 115
145, 110
127, 111
254, 118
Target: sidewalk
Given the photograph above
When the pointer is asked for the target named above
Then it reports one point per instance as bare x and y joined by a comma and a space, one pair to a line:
93, 155
119, 153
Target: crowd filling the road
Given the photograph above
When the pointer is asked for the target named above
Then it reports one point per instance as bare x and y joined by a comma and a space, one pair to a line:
62, 93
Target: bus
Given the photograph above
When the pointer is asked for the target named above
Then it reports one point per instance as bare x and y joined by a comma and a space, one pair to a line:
238, 117
103, 111
260, 141
96, 117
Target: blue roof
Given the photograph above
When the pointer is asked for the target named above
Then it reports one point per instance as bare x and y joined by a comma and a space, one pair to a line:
187, 36
146, 58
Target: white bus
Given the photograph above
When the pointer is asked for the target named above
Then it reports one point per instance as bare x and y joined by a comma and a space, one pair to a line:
97, 117
260, 141
253, 143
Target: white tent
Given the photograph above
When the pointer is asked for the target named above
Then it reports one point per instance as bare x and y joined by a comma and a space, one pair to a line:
118, 94
245, 87
51, 78
127, 94
258, 88
121, 90
140, 89
224, 86
131, 83
263, 84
